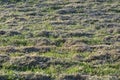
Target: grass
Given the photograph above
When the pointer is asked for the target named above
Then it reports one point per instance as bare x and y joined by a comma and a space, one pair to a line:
89, 18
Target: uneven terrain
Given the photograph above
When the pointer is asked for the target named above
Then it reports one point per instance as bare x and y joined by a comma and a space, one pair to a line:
60, 40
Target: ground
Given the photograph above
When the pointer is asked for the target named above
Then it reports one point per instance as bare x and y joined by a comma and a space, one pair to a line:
59, 40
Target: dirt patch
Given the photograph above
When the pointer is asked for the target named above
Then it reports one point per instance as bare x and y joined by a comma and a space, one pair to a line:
100, 46
67, 17
78, 34
74, 77
87, 77
67, 22
48, 34
13, 33
76, 45
26, 76
66, 11
32, 76
30, 49
41, 49
2, 32
111, 39
101, 59
2, 77
3, 59
12, 50
43, 42
9, 49
29, 62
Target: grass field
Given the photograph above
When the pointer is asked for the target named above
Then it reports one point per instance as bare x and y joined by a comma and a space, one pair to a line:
60, 40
